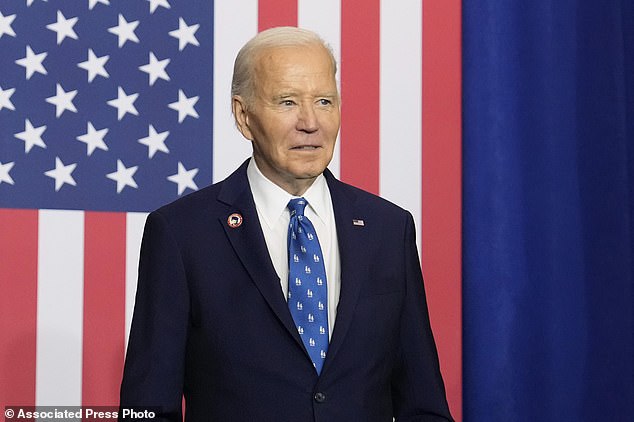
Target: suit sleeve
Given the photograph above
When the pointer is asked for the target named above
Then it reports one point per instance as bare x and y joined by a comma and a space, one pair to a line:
155, 360
418, 392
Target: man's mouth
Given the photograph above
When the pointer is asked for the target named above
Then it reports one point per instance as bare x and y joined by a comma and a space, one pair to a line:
305, 148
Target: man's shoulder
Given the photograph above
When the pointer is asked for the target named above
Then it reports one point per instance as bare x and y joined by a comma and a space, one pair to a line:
202, 199
363, 199
208, 200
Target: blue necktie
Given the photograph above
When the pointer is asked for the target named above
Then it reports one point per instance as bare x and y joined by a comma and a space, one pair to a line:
307, 287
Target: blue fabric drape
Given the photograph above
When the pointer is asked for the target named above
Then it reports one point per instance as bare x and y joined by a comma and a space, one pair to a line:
548, 218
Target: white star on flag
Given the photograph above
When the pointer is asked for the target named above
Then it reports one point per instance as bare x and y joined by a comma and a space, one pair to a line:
124, 103
93, 3
63, 27
185, 34
30, 2
155, 141
32, 136
93, 139
95, 65
62, 100
5, 98
123, 176
184, 178
155, 69
125, 31
154, 4
184, 106
5, 177
5, 25
62, 174
32, 62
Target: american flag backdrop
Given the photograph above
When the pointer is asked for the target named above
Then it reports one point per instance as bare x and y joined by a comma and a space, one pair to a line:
110, 108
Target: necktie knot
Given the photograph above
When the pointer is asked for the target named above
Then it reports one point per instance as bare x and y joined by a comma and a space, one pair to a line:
296, 206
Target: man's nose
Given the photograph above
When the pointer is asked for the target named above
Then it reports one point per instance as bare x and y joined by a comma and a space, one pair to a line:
307, 119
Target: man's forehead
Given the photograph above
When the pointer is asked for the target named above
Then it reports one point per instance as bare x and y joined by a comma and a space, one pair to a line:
291, 54
288, 67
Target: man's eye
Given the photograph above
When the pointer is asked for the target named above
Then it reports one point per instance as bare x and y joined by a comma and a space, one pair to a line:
325, 102
287, 102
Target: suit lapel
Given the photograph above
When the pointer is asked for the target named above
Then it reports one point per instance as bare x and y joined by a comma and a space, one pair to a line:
353, 268
250, 246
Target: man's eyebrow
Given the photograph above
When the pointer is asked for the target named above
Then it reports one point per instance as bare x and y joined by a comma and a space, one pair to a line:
284, 95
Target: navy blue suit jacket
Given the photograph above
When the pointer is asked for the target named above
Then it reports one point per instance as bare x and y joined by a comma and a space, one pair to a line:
211, 321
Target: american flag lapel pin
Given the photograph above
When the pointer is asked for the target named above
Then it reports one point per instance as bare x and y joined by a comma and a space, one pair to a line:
356, 222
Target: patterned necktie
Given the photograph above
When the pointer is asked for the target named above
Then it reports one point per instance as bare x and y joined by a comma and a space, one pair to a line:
307, 287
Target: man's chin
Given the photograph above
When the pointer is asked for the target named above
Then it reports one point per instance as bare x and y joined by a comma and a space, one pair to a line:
310, 169
309, 174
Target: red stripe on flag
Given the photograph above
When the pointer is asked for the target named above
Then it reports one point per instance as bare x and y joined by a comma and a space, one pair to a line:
442, 186
360, 54
104, 307
18, 306
276, 13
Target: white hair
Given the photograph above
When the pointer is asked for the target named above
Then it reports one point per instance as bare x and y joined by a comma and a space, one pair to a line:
282, 36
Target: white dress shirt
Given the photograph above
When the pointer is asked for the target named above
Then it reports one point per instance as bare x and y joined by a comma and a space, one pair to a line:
270, 202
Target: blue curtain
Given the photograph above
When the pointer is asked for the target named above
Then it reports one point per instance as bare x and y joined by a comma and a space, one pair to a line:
548, 191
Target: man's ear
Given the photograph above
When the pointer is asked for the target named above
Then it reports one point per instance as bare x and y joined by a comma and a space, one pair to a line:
241, 115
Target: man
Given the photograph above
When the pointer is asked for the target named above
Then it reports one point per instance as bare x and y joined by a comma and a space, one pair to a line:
216, 318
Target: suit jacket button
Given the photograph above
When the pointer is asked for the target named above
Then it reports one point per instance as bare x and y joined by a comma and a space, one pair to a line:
319, 397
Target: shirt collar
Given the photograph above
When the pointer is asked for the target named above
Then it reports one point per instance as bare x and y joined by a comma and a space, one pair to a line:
271, 200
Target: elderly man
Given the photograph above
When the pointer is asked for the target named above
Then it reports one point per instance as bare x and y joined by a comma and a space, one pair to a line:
281, 293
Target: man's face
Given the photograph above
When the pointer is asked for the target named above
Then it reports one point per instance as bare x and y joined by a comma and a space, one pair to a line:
294, 115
